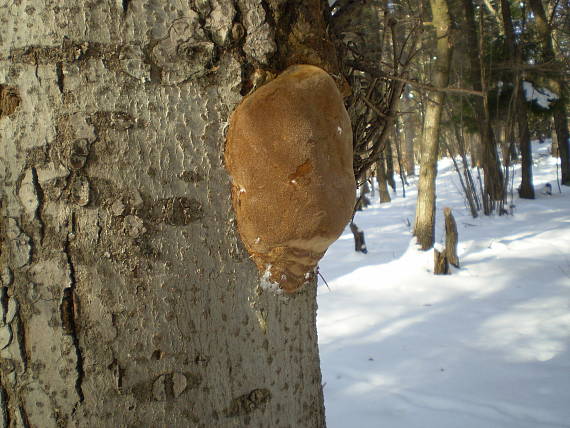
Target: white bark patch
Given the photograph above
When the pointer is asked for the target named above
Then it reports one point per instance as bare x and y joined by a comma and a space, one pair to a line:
220, 21
265, 282
260, 39
159, 388
51, 277
117, 208
28, 194
134, 226
80, 190
19, 244
6, 277
133, 63
179, 384
51, 172
11, 311
42, 414
5, 336
82, 128
186, 52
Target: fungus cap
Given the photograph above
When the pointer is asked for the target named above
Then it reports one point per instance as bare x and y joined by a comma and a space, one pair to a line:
289, 155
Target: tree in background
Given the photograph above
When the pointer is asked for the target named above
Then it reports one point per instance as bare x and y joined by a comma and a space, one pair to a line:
519, 113
494, 185
557, 84
424, 227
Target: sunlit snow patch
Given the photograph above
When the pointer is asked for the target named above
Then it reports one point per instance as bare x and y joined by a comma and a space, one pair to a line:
541, 96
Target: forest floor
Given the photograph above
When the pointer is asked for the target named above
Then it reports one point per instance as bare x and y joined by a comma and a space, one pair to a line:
487, 346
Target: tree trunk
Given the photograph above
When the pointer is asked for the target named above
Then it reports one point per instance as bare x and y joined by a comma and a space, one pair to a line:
451, 237
554, 137
382, 181
128, 299
425, 209
389, 157
410, 131
398, 145
440, 263
526, 189
558, 86
494, 187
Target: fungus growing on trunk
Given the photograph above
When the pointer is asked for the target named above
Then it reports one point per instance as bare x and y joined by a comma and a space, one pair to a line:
289, 155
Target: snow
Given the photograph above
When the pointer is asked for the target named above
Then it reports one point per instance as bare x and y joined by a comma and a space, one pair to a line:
487, 346
541, 96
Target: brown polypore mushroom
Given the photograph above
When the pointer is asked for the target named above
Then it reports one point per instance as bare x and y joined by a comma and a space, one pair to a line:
289, 155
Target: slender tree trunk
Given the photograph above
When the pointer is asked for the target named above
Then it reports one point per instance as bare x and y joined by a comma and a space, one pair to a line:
490, 161
410, 131
424, 228
389, 156
128, 299
526, 189
554, 137
382, 181
475, 149
398, 145
558, 85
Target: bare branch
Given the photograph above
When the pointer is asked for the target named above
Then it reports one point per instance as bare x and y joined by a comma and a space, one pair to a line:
434, 88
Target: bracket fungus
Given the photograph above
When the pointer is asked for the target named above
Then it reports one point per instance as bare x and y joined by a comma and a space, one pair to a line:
289, 155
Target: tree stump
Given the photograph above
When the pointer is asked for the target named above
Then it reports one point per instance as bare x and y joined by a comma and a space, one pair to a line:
359, 244
440, 264
451, 237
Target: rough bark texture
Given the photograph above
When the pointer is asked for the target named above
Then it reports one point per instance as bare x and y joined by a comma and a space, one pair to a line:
440, 263
127, 298
425, 209
451, 237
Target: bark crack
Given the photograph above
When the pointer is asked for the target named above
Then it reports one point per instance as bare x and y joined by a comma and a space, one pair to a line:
68, 312
36, 70
4, 404
125, 5
41, 200
60, 76
4, 302
238, 40
24, 417
21, 340
155, 69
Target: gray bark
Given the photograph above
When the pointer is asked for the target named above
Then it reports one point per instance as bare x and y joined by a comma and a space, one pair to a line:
127, 298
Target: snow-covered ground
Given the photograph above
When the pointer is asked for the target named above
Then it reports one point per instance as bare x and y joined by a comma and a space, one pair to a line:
488, 346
